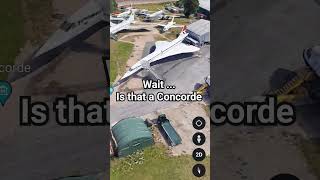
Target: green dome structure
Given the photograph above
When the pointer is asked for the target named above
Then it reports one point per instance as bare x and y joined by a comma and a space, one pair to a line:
131, 135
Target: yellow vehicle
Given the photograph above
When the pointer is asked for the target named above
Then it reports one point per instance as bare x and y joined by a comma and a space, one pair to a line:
204, 87
304, 83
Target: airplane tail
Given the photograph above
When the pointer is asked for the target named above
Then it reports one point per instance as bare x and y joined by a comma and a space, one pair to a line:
183, 29
172, 20
131, 18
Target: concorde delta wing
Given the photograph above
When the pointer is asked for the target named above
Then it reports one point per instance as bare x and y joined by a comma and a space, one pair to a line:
178, 49
82, 21
175, 50
161, 44
78, 27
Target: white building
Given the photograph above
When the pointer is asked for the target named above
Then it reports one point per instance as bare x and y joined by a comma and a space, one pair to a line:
199, 32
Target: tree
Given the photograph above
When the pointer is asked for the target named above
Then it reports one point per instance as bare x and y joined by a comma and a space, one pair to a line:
190, 7
114, 5
179, 3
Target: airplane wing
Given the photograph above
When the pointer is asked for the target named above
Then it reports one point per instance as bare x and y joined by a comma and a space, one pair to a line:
178, 49
161, 44
118, 27
116, 19
162, 25
176, 26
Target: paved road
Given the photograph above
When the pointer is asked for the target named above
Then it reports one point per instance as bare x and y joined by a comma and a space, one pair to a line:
184, 73
252, 39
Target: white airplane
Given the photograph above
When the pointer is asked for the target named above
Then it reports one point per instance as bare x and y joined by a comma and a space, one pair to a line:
124, 14
115, 28
90, 15
112, 24
163, 49
116, 19
89, 19
171, 24
142, 12
127, 12
155, 15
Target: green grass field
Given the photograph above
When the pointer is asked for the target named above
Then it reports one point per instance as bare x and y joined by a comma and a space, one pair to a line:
154, 163
151, 6
172, 33
22, 20
311, 151
119, 55
183, 21
11, 32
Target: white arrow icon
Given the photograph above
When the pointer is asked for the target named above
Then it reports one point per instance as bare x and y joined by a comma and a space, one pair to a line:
199, 170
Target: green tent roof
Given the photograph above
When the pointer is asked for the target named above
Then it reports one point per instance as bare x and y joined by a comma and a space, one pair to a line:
130, 132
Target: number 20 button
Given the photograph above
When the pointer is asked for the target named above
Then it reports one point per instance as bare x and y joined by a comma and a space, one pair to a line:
199, 154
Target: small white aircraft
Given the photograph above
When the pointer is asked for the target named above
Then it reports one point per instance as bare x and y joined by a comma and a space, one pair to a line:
171, 24
127, 12
116, 19
154, 16
125, 24
163, 49
142, 12
123, 14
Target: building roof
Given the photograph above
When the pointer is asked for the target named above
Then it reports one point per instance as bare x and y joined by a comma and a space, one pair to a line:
205, 4
130, 130
200, 27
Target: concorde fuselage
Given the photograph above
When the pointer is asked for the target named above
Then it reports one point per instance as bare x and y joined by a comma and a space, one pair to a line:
162, 50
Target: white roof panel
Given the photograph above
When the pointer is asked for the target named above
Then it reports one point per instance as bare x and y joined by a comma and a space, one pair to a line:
205, 4
200, 27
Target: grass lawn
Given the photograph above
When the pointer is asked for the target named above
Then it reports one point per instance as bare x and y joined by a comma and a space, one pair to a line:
151, 6
183, 21
22, 20
119, 55
172, 33
311, 151
12, 34
154, 163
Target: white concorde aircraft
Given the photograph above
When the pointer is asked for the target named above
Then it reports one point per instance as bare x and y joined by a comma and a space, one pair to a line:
163, 49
